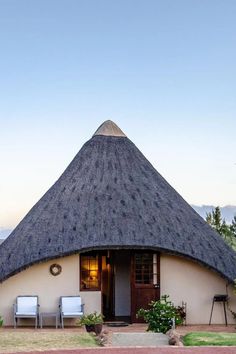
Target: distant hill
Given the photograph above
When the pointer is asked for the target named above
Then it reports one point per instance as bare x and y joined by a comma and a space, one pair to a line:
4, 233
228, 212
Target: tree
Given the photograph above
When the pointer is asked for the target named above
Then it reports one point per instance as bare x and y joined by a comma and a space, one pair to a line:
233, 226
228, 232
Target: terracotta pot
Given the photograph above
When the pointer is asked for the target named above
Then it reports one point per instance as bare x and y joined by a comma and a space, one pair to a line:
98, 328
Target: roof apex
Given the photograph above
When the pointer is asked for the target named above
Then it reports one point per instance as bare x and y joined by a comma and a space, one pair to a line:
109, 128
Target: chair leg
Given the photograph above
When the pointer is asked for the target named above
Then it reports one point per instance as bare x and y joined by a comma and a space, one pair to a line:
36, 322
14, 322
62, 322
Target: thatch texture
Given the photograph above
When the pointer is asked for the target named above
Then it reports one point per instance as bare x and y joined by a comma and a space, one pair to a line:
110, 196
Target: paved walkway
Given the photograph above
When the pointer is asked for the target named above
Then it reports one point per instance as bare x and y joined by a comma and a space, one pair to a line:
147, 350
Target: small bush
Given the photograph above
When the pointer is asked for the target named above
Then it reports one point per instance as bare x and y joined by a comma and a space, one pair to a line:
160, 315
1, 321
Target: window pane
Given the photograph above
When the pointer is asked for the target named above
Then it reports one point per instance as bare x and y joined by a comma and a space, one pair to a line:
144, 268
89, 274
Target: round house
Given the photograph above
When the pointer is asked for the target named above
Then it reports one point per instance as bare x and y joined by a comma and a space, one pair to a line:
112, 230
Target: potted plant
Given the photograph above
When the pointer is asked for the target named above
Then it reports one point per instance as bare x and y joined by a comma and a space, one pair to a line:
93, 322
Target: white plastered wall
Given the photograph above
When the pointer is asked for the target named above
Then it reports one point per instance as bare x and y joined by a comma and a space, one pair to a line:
37, 280
192, 283
182, 279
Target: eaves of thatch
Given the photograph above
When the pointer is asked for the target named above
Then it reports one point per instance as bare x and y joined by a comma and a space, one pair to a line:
111, 197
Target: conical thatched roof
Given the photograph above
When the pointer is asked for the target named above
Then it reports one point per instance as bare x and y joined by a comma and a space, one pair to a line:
110, 196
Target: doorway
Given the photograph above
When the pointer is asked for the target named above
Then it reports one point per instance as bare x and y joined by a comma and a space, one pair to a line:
130, 280
145, 281
116, 286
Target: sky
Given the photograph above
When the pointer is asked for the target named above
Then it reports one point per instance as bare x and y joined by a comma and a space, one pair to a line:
163, 70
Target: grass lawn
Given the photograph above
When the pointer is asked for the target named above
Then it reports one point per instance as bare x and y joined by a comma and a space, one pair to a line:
26, 341
209, 338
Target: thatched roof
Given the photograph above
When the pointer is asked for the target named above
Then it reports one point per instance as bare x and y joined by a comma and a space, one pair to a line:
110, 196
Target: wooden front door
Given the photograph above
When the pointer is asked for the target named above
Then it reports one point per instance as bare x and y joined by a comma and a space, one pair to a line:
145, 279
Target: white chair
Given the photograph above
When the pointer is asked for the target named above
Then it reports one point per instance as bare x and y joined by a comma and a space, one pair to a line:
70, 307
26, 306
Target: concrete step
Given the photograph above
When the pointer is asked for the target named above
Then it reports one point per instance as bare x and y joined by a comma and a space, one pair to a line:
145, 339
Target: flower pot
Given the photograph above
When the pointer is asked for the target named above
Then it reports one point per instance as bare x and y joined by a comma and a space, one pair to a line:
90, 328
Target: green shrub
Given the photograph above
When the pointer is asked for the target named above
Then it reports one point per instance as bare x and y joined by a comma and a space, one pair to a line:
160, 315
1, 321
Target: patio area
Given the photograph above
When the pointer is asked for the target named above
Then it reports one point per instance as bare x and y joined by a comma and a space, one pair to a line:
135, 327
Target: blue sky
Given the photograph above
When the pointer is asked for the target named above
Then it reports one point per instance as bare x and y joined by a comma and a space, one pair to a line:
163, 70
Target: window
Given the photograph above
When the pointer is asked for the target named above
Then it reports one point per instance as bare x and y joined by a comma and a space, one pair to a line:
90, 271
145, 268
